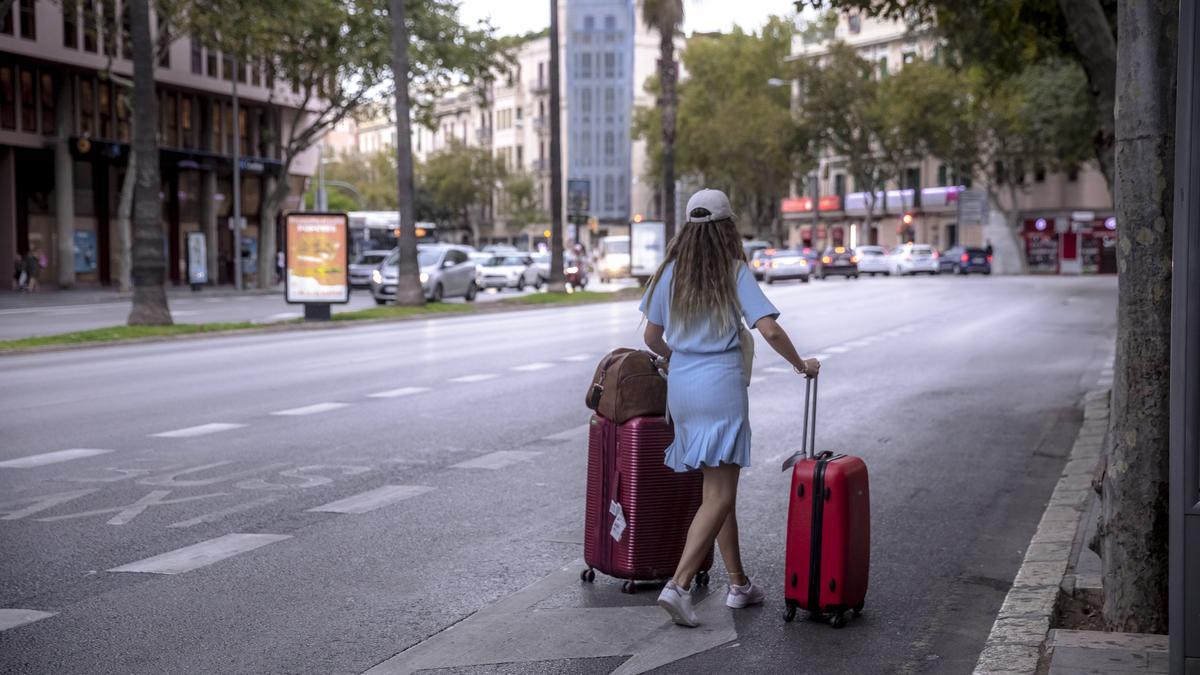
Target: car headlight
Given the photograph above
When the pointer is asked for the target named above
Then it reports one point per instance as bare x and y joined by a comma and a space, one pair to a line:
377, 276
572, 270
424, 277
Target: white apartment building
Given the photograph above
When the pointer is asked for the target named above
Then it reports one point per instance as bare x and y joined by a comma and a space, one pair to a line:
65, 134
1062, 214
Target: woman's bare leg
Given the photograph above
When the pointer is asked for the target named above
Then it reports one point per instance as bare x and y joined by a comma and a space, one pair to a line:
720, 494
731, 550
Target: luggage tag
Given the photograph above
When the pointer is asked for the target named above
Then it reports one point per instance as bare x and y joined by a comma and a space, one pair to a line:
618, 526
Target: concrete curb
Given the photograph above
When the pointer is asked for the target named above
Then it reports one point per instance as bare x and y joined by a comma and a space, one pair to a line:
1019, 633
287, 327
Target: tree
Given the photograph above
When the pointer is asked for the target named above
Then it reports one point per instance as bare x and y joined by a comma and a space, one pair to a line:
372, 175
735, 131
149, 307
665, 17
409, 291
521, 207
460, 179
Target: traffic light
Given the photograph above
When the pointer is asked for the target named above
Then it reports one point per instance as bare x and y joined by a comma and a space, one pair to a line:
908, 219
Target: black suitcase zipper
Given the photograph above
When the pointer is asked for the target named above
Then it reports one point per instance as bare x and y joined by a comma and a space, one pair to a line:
814, 550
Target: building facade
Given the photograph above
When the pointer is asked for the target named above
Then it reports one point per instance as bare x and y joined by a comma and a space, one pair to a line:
65, 138
930, 204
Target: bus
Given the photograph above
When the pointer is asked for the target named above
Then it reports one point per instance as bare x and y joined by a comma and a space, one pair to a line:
380, 230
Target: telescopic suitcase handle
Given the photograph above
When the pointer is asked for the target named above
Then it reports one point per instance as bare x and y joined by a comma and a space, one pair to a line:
808, 439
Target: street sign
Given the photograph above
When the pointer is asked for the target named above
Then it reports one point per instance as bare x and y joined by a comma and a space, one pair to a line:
972, 207
578, 195
317, 262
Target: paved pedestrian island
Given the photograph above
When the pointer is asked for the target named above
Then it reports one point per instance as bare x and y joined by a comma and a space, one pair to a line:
1078, 652
529, 626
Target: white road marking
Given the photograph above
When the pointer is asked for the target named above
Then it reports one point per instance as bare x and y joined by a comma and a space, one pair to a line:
837, 350
858, 343
11, 618
570, 434
222, 513
530, 367
497, 460
467, 379
51, 458
395, 393
373, 499
128, 513
819, 357
577, 357
183, 312
778, 369
311, 409
199, 555
285, 315
201, 430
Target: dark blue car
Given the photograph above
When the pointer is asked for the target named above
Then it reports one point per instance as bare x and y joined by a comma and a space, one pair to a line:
964, 260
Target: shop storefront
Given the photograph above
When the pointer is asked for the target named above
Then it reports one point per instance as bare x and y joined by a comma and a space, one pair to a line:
1077, 243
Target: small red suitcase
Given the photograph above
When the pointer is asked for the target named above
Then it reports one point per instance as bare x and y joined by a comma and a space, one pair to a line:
829, 529
638, 509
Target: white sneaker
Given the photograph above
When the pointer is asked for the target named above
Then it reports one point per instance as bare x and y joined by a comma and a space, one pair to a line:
678, 604
744, 596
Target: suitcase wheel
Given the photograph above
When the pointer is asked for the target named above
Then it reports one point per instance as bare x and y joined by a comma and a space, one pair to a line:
587, 575
838, 620
857, 609
790, 614
629, 587
702, 578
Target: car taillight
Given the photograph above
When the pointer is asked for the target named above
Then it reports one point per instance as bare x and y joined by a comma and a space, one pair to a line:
935, 255
853, 258
826, 260
965, 257
989, 258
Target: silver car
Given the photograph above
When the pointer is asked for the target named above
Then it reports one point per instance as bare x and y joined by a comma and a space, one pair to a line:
786, 265
363, 265
508, 271
446, 271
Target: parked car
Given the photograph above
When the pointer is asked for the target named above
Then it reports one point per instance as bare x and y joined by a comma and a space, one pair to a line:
789, 264
964, 260
363, 265
541, 262
754, 245
446, 271
575, 269
508, 271
914, 259
759, 260
873, 260
500, 248
839, 260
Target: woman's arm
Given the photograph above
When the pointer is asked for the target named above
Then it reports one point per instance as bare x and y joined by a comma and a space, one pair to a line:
655, 341
778, 338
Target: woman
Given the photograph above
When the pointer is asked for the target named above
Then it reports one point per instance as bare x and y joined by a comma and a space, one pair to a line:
694, 307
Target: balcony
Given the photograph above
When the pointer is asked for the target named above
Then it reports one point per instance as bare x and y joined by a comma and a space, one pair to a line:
539, 88
483, 135
541, 125
540, 165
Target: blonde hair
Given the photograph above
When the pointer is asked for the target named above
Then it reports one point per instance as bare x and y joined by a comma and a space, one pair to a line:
704, 287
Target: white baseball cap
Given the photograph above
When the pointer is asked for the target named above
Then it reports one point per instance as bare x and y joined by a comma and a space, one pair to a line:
708, 206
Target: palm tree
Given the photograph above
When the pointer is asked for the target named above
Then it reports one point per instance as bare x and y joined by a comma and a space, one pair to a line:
666, 16
408, 285
149, 259
558, 282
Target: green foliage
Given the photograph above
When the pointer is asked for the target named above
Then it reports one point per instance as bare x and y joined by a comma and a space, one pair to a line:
372, 175
400, 312
120, 334
520, 201
733, 128
457, 179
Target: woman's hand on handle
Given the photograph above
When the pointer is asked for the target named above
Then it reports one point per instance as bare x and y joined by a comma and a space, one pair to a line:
810, 368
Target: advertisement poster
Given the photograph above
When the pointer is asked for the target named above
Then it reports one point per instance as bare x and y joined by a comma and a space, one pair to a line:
317, 257
197, 258
85, 251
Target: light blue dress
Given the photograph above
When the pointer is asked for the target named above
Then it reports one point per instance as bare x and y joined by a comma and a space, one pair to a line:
706, 393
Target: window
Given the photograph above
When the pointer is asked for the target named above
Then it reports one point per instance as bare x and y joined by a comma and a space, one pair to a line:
909, 57
541, 73
126, 41
883, 68
585, 66
104, 92
218, 139
90, 27
912, 179
610, 149
839, 185
6, 26
210, 68
610, 98
109, 10
188, 130
855, 24
520, 156
610, 65
28, 20
8, 99
1039, 173
197, 56
255, 76
1073, 174
608, 193
241, 72
164, 59
941, 181
48, 99
122, 120
589, 23
28, 102
227, 67
1001, 176
243, 132
585, 101
70, 24
610, 22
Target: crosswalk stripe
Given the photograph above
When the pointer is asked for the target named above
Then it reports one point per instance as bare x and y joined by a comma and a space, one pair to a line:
200, 430
497, 460
530, 367
51, 458
199, 555
373, 499
221, 514
11, 618
480, 377
402, 391
311, 409
577, 357
570, 434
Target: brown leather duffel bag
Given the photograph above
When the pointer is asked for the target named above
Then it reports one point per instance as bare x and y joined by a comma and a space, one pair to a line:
627, 384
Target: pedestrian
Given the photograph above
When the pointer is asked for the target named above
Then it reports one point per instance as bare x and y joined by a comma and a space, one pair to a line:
33, 267
694, 307
989, 247
18, 273
279, 260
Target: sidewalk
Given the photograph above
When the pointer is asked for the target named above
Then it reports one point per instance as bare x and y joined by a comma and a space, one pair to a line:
48, 296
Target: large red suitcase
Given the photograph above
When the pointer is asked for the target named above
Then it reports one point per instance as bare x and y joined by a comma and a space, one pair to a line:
638, 509
829, 529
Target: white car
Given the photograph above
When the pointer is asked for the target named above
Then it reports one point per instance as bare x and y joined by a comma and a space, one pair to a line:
873, 260
541, 262
914, 259
445, 271
508, 271
788, 264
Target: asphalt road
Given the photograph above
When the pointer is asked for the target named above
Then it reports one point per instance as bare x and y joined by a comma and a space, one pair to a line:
344, 496
51, 312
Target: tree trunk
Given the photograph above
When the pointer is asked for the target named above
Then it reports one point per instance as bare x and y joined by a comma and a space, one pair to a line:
124, 227
268, 211
1134, 527
149, 258
558, 282
408, 285
1097, 47
669, 103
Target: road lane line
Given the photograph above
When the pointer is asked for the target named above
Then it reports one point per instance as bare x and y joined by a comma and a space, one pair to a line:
311, 409
577, 357
373, 499
778, 369
837, 350
199, 555
11, 618
480, 377
858, 343
530, 367
51, 458
201, 430
497, 460
570, 434
284, 315
222, 513
395, 393
819, 357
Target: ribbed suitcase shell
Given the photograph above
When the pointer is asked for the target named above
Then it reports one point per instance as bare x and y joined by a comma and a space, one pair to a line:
845, 545
625, 463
